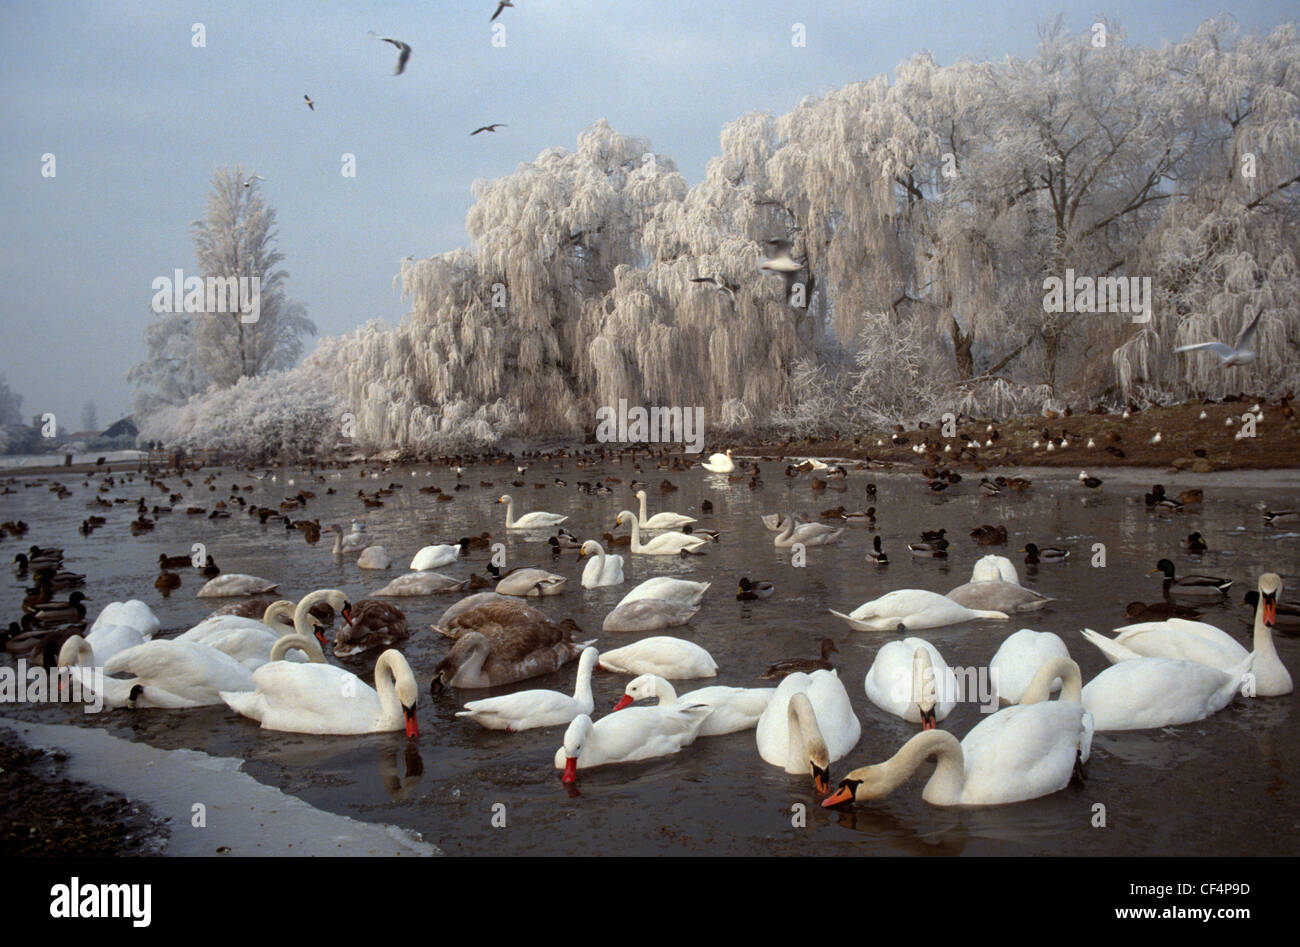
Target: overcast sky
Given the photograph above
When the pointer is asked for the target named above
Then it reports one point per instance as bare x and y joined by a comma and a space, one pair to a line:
137, 119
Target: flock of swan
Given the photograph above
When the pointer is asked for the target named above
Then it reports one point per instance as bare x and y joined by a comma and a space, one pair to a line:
274, 670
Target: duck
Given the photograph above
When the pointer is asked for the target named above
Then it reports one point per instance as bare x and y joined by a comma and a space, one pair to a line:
528, 710
808, 724
167, 582
602, 569
807, 534
1016, 754
173, 562
787, 666
719, 463
670, 589
535, 520
481, 541
665, 544
748, 591
536, 582
912, 610
712, 535
1190, 584
910, 679
1034, 555
1146, 693
374, 625
330, 700
234, 584
1195, 545
435, 557
638, 733
732, 709
54, 612
420, 583
934, 550
500, 641
876, 554
649, 614
1091, 482
1018, 659
610, 541
660, 520
671, 658
1158, 611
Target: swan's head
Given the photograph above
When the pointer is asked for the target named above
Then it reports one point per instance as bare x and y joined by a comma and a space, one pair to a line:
505, 499
642, 688
1270, 590
407, 693
858, 786
575, 739
589, 548
923, 687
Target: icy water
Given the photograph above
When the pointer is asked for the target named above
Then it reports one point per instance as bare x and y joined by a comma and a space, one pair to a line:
1227, 785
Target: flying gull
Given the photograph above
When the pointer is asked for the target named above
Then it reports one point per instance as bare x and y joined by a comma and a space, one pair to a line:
501, 5
782, 262
403, 52
255, 177
487, 128
1239, 354
728, 289
310, 104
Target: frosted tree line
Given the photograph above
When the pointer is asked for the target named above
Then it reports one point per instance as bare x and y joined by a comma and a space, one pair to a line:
929, 210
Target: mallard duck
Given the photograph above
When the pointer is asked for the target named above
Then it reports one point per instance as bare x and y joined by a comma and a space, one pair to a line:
988, 535
51, 613
1158, 611
481, 541
374, 625
1190, 584
876, 554
710, 534
1195, 545
935, 550
1035, 555
934, 535
780, 669
747, 591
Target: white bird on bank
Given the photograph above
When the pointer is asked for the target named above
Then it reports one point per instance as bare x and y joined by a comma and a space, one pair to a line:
1241, 353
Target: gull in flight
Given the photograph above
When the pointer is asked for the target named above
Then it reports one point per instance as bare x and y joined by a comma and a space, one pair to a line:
487, 128
255, 177
727, 289
501, 5
1239, 354
310, 104
403, 52
782, 262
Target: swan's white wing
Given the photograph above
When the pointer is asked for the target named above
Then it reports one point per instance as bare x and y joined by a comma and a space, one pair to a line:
184, 669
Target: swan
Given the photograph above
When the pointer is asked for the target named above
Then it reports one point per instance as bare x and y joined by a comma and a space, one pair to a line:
808, 725
809, 534
668, 589
420, 583
912, 610
373, 625
602, 569
374, 557
501, 641
1144, 693
77, 655
649, 614
529, 520
133, 612
109, 640
536, 582
671, 658
1205, 644
434, 557
665, 544
1018, 753
527, 710
910, 679
995, 585
719, 463
1018, 659
661, 520
732, 708
638, 733
164, 673
348, 542
994, 568
236, 583
250, 642
325, 699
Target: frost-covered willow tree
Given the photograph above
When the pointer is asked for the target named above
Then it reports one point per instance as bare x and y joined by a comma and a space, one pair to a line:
186, 352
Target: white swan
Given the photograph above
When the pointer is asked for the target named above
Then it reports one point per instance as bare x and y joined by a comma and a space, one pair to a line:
134, 613
231, 584
526, 582
719, 463
809, 534
434, 557
731, 708
251, 642
668, 657
808, 725
322, 698
668, 589
993, 568
661, 520
665, 544
108, 640
420, 583
353, 540
78, 656
529, 520
1018, 659
649, 614
1205, 644
1143, 693
913, 610
910, 679
164, 673
602, 569
374, 557
526, 710
638, 733
1018, 753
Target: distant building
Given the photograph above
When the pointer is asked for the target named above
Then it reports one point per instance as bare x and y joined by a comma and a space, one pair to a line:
123, 428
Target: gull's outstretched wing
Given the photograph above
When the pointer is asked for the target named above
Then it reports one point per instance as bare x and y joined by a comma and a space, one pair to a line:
1248, 334
1224, 352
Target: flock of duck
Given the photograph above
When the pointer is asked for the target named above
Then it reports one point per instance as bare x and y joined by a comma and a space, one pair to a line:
267, 660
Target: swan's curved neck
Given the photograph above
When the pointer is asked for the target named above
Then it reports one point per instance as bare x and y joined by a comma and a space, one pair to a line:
338, 541
582, 690
636, 531
302, 643
510, 513
640, 495
386, 685
805, 737
666, 693
302, 621
949, 780
1040, 688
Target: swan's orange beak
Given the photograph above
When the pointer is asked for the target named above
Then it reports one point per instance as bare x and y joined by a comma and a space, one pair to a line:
623, 702
412, 725
927, 719
571, 769
838, 798
1269, 604
347, 613
821, 780
320, 636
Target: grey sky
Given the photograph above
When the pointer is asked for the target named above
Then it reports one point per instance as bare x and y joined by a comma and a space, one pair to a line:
137, 119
